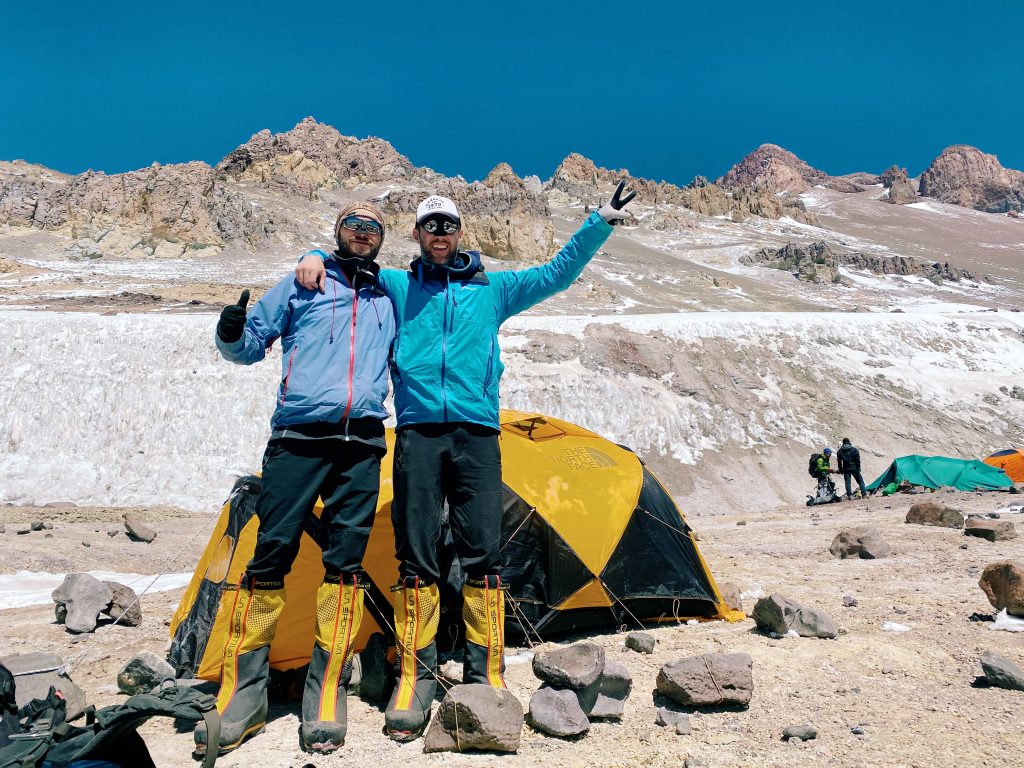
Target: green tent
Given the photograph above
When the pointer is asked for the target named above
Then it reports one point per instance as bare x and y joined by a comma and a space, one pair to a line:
935, 471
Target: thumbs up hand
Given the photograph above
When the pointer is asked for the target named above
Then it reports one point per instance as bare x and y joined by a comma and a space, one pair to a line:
232, 320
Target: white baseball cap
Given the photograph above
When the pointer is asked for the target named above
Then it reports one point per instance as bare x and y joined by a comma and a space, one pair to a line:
434, 205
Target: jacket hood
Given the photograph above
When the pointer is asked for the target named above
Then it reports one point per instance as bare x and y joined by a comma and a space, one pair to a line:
463, 265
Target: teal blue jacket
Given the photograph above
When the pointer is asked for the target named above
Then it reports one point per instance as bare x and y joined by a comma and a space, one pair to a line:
445, 362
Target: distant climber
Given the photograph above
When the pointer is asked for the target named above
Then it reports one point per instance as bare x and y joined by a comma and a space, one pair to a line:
848, 459
818, 467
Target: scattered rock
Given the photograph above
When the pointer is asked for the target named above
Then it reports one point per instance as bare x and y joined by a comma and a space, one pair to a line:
930, 513
859, 542
84, 598
778, 614
22, 531
857, 730
613, 689
849, 601
990, 530
1003, 585
683, 727
112, 534
576, 666
731, 595
136, 529
143, 672
125, 608
802, 732
476, 717
670, 717
720, 679
36, 526
557, 711
641, 642
34, 673
1001, 672
47, 526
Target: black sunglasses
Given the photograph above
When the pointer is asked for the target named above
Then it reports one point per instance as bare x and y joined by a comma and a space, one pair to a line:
357, 224
433, 225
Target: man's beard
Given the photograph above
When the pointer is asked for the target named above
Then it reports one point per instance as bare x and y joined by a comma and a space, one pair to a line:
345, 252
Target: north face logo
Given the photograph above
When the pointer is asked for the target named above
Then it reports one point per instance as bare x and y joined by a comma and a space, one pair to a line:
584, 458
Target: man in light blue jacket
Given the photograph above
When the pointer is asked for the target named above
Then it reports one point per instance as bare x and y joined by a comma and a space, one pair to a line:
327, 441
445, 368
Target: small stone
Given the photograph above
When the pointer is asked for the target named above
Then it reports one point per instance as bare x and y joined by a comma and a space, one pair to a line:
857, 730
47, 535
112, 534
683, 727
887, 670
136, 529
849, 601
143, 672
802, 732
36, 526
23, 531
641, 642
694, 762
964, 545
741, 522
991, 530
86, 544
669, 717
47, 526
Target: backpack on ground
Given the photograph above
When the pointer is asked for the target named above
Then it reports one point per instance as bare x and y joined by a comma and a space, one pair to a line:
8, 707
812, 464
110, 736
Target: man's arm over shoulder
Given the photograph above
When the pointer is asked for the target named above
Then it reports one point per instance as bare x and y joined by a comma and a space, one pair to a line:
522, 288
267, 321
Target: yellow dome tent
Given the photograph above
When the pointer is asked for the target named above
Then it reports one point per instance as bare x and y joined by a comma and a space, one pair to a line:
590, 538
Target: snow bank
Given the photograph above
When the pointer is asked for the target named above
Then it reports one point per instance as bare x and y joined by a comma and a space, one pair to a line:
34, 587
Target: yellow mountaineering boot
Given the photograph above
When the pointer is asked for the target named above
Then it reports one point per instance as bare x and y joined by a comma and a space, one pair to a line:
339, 612
483, 611
417, 613
242, 700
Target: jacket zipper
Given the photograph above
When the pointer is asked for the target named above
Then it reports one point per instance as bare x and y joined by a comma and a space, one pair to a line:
351, 358
444, 349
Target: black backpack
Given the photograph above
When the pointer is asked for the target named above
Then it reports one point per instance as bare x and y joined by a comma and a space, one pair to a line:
812, 464
110, 734
8, 707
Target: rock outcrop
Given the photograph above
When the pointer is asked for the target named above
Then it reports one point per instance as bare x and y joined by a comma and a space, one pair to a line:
966, 176
775, 169
819, 263
313, 155
161, 211
901, 191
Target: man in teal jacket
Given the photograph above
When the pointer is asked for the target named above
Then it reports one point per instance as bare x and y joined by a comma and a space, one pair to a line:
446, 366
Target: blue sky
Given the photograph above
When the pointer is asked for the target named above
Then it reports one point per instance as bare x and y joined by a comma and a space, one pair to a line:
662, 89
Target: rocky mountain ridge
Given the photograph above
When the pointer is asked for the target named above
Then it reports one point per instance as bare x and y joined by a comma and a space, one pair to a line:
279, 190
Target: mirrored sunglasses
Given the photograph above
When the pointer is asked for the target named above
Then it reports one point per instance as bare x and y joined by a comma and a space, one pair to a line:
359, 224
440, 226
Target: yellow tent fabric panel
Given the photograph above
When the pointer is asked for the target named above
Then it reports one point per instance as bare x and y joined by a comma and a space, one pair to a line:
591, 595
583, 485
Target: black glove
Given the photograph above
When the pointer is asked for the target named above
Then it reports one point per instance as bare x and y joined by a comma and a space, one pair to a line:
232, 320
612, 210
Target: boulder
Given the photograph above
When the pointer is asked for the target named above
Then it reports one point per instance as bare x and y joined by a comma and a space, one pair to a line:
143, 672
34, 673
778, 614
613, 688
641, 642
557, 711
990, 530
576, 666
125, 608
136, 529
712, 680
1001, 672
859, 542
82, 598
930, 513
1003, 584
476, 717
